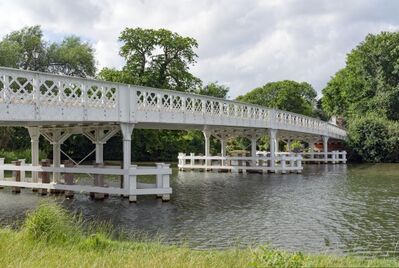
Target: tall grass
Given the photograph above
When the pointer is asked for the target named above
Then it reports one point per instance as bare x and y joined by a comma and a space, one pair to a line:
52, 237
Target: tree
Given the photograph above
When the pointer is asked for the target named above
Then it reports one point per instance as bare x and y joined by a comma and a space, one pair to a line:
374, 139
215, 90
72, 57
369, 81
159, 58
285, 95
18, 49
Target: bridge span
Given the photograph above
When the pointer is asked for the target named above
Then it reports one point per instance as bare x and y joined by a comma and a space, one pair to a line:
56, 107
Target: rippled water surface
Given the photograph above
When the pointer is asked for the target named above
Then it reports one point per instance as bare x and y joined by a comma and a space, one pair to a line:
334, 209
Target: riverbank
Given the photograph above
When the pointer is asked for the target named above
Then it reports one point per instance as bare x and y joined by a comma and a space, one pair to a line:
51, 237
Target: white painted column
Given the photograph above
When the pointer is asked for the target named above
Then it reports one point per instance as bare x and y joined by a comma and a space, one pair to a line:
223, 151
253, 150
273, 138
325, 148
56, 159
99, 133
207, 137
127, 130
34, 134
100, 152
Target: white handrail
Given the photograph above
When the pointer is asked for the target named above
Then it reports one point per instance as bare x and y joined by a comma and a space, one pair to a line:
45, 89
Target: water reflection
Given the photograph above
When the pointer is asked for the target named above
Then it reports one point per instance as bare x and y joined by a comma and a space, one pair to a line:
333, 208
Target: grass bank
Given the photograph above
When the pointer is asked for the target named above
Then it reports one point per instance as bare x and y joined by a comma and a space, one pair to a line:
51, 237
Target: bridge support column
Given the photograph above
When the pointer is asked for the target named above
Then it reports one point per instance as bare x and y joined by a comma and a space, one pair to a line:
207, 136
325, 148
34, 134
56, 137
223, 148
273, 141
127, 130
253, 150
223, 151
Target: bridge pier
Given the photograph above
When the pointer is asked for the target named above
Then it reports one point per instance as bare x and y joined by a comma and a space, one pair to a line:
273, 141
325, 148
34, 133
129, 182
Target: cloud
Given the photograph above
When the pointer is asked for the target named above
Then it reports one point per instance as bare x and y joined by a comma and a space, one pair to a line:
243, 44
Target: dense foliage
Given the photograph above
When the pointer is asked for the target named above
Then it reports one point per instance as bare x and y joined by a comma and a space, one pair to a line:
26, 49
285, 95
366, 93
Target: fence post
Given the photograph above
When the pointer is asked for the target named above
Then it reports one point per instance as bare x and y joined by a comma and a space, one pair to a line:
17, 176
132, 184
344, 157
99, 181
159, 182
22, 172
165, 183
192, 159
283, 164
299, 164
45, 176
68, 178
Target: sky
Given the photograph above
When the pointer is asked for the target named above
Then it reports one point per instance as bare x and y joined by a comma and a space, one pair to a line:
242, 44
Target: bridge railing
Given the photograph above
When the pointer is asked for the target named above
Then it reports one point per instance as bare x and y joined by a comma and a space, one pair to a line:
44, 89
24, 87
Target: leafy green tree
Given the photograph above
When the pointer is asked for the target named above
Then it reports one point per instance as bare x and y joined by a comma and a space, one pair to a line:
72, 57
285, 95
159, 58
215, 90
19, 48
374, 139
369, 81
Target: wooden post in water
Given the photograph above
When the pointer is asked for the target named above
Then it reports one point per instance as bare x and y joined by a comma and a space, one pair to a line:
68, 178
17, 176
45, 176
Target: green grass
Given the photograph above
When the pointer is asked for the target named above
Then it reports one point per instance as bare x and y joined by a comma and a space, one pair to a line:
51, 237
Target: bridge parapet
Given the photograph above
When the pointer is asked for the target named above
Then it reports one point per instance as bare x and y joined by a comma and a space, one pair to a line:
42, 97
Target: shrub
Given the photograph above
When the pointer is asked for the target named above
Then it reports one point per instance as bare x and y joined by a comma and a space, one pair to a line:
51, 223
374, 139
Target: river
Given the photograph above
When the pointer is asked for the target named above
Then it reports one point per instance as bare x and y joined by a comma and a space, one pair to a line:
333, 209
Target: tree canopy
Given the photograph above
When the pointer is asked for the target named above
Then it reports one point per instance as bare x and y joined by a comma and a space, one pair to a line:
27, 50
156, 58
285, 95
370, 80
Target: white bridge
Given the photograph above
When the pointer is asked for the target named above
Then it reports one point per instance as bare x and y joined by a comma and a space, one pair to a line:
56, 107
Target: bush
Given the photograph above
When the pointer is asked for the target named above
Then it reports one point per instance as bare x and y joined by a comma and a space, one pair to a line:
51, 223
374, 139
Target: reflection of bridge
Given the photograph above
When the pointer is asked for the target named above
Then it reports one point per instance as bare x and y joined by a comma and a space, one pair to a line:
57, 107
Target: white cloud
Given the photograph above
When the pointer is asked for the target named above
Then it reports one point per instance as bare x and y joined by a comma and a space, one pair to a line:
243, 44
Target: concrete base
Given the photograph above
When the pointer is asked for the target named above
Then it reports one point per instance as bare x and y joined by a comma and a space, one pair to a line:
132, 198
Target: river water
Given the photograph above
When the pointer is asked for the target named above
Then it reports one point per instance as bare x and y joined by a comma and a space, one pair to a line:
339, 209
